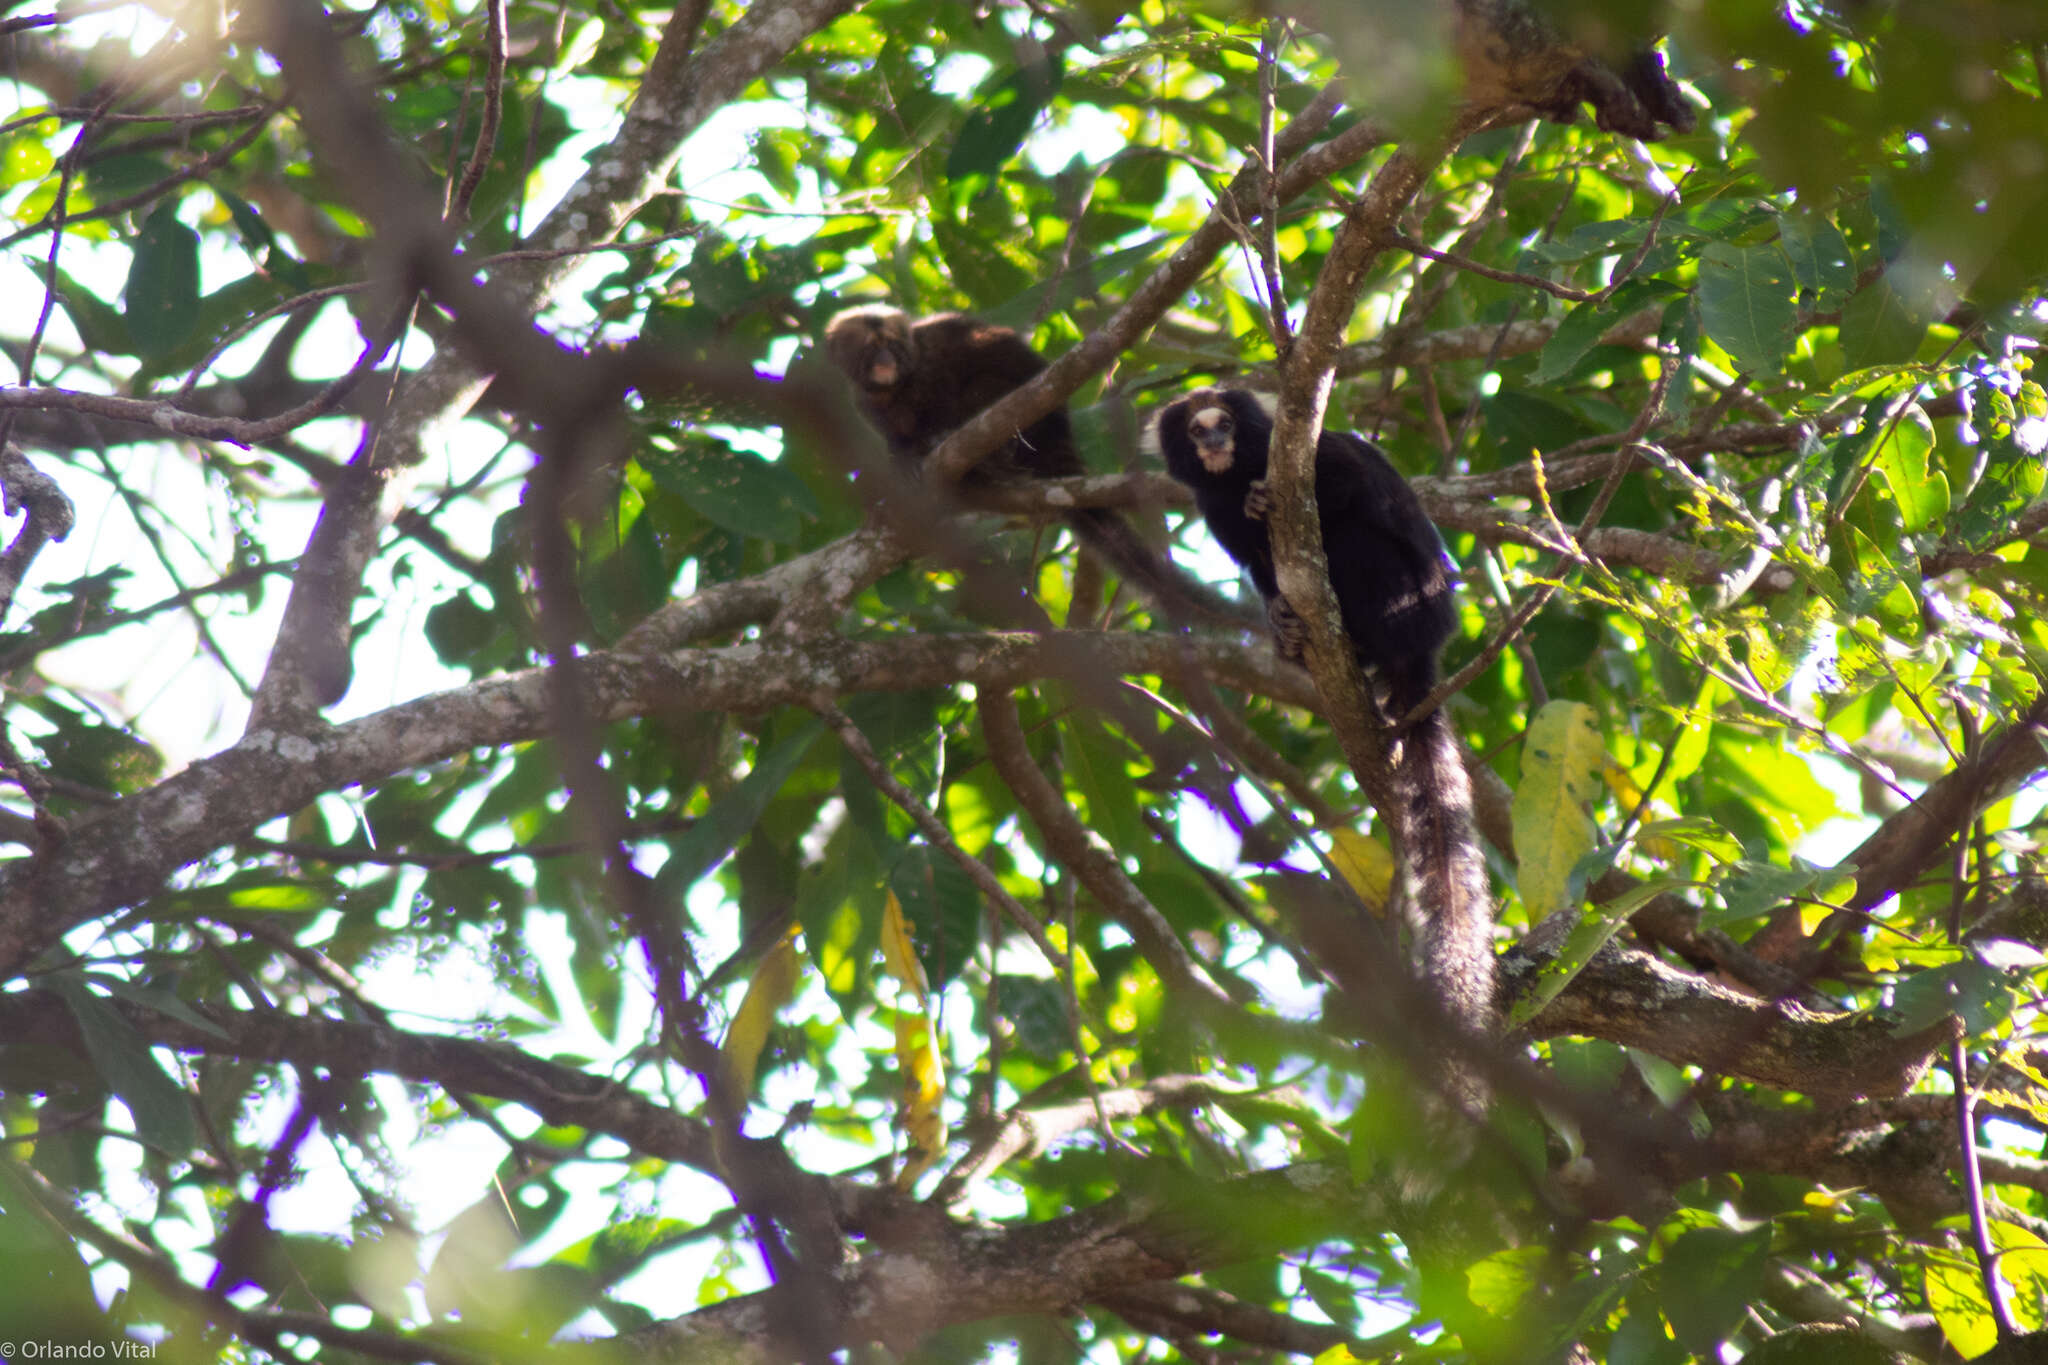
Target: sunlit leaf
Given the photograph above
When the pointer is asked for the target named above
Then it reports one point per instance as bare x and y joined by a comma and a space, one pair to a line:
1955, 1291
1561, 758
1366, 864
772, 986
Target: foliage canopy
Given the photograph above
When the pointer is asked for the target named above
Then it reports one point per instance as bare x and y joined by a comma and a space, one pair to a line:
512, 838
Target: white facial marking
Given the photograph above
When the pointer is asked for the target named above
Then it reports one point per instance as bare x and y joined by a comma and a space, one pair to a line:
1211, 430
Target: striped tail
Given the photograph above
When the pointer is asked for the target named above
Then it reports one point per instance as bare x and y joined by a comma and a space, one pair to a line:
1450, 889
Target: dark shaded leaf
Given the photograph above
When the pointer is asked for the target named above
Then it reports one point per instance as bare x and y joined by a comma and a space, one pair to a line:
1748, 303
996, 128
1710, 1278
161, 299
160, 1107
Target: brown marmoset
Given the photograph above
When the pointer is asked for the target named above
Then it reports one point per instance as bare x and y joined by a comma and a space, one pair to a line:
920, 380
1392, 581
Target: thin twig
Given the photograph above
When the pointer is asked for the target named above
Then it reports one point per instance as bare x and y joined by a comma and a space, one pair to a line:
1269, 239
494, 112
941, 838
1395, 237
213, 160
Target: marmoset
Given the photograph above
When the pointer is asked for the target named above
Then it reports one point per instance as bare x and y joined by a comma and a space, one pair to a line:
920, 380
1392, 581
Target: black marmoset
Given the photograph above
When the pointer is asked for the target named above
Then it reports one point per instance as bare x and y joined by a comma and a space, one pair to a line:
1557, 56
920, 380
1392, 582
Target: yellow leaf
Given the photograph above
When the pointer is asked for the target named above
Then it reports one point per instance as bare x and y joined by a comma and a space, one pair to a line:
1955, 1292
1827, 1200
1561, 754
1366, 865
899, 954
1628, 795
2023, 1265
1622, 783
922, 1116
773, 984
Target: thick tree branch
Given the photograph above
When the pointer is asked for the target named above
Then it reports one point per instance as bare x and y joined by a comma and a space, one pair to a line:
123, 852
681, 88
934, 1273
558, 1094
1165, 286
1628, 996
1306, 377
1087, 856
1910, 842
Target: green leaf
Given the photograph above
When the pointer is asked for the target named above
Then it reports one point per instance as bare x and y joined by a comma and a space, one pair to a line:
741, 492
1591, 1065
161, 298
161, 1001
100, 325
1578, 333
46, 1294
1748, 303
459, 628
1083, 278
1751, 888
1880, 587
895, 721
1881, 326
839, 905
719, 830
995, 130
160, 1107
1695, 831
255, 891
2012, 479
1820, 256
1642, 1340
1901, 465
1587, 240
1710, 1278
944, 910
1523, 423
2022, 1264
1036, 1010
1587, 937
1501, 1282
256, 234
1334, 1295
1972, 991
23, 158
124, 173
1097, 762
